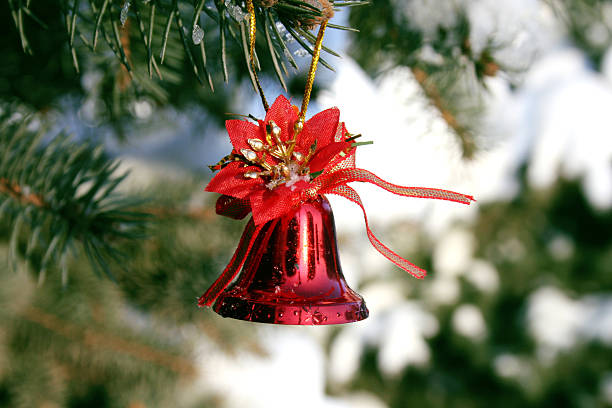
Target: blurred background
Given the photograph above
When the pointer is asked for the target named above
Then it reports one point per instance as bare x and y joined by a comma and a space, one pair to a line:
107, 237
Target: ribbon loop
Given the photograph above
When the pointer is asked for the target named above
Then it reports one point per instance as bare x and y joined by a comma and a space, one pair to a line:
343, 176
335, 182
350, 194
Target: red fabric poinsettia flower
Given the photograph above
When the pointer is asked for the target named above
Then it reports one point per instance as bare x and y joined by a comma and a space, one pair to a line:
275, 160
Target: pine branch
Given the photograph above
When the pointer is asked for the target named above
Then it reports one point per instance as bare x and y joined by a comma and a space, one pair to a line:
55, 195
94, 22
171, 213
580, 19
101, 340
450, 72
432, 93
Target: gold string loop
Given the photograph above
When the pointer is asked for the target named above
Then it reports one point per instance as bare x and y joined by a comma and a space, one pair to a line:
252, 33
313, 63
313, 69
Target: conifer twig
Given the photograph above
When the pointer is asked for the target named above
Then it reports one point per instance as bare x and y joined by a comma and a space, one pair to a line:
15, 191
90, 19
99, 339
432, 94
60, 193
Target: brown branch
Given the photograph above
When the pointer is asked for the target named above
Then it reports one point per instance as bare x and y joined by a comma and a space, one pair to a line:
432, 93
97, 340
24, 196
123, 78
21, 194
267, 3
327, 12
199, 214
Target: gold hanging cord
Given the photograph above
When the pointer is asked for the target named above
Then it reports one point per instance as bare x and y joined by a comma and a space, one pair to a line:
313, 69
313, 63
252, 32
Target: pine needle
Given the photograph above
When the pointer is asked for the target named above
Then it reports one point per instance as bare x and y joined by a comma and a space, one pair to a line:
99, 22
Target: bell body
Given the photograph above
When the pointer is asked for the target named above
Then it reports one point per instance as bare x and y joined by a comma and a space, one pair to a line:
292, 274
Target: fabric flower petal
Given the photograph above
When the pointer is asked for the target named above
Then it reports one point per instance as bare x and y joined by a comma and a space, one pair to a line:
269, 204
240, 131
231, 181
321, 127
324, 156
341, 162
284, 115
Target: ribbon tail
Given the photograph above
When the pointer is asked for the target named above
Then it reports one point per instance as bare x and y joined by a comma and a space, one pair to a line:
235, 264
350, 194
344, 176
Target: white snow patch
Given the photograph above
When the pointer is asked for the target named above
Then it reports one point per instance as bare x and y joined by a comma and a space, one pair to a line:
558, 322
453, 252
468, 321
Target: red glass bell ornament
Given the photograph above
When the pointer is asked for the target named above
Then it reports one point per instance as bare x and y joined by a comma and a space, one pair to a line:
292, 274
286, 268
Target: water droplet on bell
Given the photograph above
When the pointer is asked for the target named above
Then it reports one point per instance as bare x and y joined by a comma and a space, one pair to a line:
197, 35
249, 154
280, 314
295, 312
338, 314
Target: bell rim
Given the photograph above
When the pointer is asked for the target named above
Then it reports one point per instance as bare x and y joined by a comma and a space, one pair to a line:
303, 313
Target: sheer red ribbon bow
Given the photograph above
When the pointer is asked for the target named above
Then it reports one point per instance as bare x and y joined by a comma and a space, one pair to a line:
278, 164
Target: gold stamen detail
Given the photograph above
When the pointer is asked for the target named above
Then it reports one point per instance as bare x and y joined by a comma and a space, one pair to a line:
298, 156
265, 165
291, 144
256, 144
284, 170
311, 152
298, 126
249, 154
277, 152
276, 132
268, 136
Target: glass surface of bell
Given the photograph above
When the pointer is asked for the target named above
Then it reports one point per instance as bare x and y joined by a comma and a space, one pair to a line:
292, 274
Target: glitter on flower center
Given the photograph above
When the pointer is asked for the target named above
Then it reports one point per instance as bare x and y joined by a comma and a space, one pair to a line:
292, 166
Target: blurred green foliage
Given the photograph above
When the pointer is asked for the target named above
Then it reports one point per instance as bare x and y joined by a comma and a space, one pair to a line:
91, 342
462, 371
